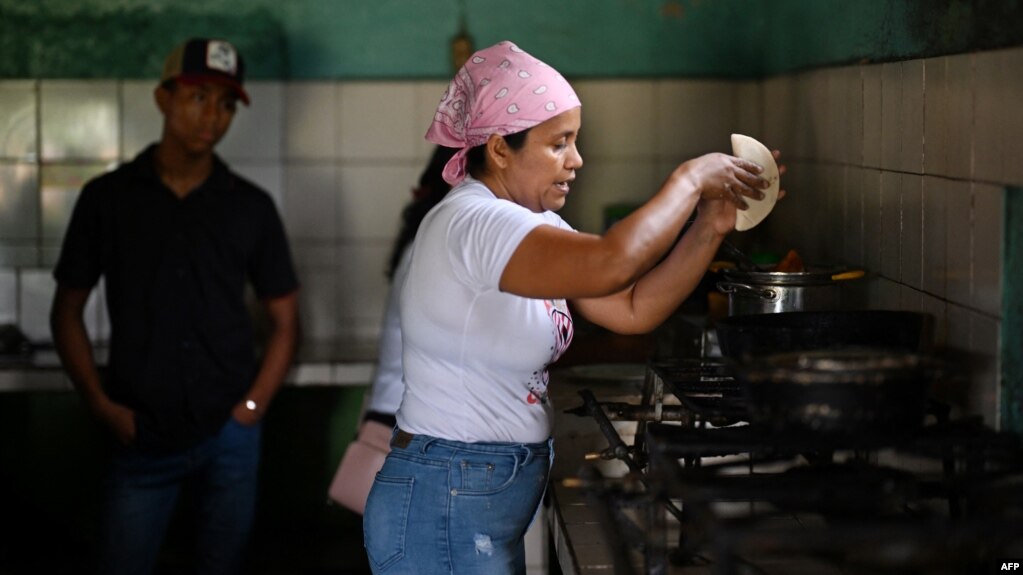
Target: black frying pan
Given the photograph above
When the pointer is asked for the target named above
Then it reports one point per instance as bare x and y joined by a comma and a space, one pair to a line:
852, 391
748, 336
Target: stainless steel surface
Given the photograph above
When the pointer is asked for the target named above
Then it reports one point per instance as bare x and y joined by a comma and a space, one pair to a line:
744, 299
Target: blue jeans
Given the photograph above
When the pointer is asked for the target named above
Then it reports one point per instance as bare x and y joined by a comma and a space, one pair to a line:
441, 506
141, 489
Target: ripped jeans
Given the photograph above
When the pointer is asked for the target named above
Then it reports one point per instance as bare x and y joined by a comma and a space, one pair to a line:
448, 507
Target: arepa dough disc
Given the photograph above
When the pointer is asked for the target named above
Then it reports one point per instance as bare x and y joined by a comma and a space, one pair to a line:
750, 149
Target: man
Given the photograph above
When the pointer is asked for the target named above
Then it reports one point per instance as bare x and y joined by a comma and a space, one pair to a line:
176, 235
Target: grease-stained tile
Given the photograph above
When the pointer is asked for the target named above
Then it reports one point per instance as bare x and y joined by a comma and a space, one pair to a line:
891, 224
777, 110
872, 115
935, 116
935, 308
959, 126
988, 234
912, 116
959, 240
872, 230
852, 222
934, 235
911, 239
853, 122
989, 105
891, 115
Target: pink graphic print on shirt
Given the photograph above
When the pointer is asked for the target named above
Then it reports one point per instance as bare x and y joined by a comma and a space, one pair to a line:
561, 320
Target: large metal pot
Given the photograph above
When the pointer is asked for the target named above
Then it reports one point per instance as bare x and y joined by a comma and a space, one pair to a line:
816, 289
851, 391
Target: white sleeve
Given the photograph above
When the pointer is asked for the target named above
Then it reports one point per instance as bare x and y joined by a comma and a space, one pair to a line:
482, 237
387, 387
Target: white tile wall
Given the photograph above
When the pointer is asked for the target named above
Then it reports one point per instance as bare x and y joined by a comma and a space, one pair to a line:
618, 121
310, 121
923, 198
911, 134
141, 122
891, 224
933, 235
910, 157
911, 257
958, 240
18, 120
370, 199
935, 108
872, 109
256, 131
80, 120
959, 118
310, 201
989, 105
8, 296
377, 121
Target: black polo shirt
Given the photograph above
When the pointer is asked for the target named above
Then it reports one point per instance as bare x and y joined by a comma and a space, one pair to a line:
175, 270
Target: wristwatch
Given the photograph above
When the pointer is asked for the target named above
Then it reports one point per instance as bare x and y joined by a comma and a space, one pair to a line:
251, 405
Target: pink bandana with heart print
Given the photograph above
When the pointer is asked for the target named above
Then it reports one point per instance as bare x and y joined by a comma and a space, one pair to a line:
500, 90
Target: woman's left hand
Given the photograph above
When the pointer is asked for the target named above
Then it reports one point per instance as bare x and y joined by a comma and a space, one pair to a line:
721, 211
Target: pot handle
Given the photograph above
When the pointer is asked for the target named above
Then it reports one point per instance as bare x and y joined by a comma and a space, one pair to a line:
748, 290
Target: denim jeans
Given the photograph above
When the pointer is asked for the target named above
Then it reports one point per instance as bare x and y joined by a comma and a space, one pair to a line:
141, 490
441, 506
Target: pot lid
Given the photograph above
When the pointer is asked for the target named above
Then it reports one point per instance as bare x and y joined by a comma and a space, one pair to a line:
814, 275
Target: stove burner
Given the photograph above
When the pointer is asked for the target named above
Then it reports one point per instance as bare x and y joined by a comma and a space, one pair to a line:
736, 497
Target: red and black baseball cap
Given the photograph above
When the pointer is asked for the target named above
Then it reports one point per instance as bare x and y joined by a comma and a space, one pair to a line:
206, 60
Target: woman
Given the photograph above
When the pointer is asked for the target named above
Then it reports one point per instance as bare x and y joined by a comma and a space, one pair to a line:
385, 392
364, 456
484, 312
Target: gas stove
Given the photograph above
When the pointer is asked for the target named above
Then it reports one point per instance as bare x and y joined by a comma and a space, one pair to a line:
708, 492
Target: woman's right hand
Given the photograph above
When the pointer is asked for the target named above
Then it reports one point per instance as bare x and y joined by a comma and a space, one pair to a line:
722, 177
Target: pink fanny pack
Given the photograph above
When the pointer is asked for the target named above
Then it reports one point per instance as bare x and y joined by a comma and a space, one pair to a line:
362, 460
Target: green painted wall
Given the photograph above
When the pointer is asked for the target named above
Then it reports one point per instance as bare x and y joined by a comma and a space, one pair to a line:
340, 39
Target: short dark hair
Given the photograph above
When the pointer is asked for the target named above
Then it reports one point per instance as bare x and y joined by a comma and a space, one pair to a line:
476, 158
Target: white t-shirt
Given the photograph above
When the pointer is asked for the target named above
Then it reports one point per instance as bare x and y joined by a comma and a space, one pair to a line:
385, 392
476, 358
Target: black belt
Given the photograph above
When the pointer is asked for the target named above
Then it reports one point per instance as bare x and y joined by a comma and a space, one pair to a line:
401, 439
